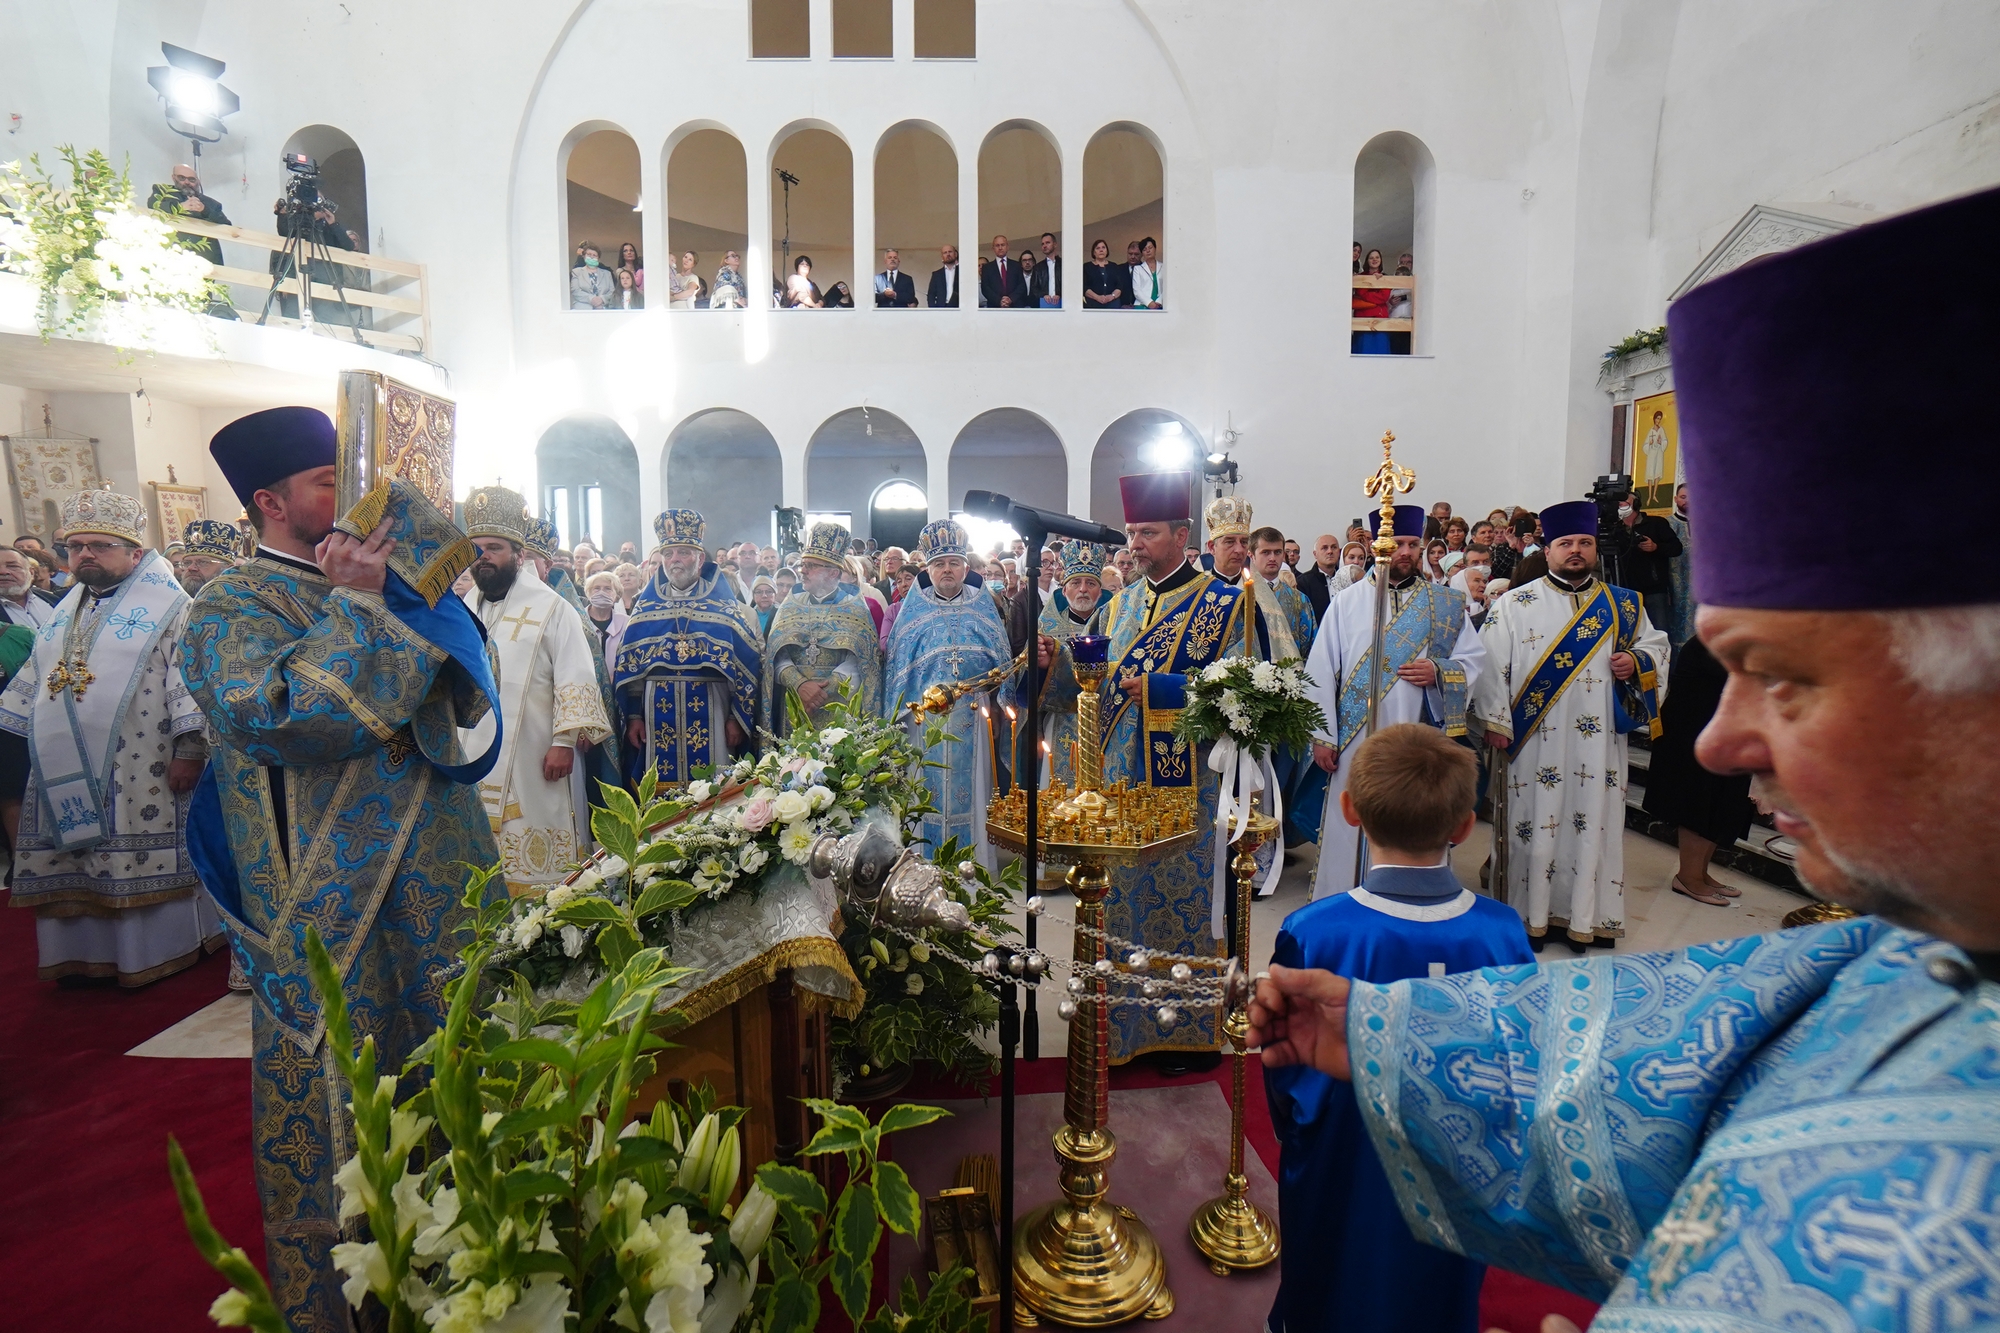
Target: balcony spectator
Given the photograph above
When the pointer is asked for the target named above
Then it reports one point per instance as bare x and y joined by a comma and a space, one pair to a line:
1357, 256
1399, 306
1028, 264
1001, 283
943, 292
184, 199
1101, 288
628, 257
728, 292
800, 293
1045, 289
629, 297
1371, 303
1125, 273
591, 286
1148, 282
688, 288
894, 289
839, 297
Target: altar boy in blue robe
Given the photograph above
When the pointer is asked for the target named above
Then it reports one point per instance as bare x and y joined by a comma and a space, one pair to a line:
1349, 1261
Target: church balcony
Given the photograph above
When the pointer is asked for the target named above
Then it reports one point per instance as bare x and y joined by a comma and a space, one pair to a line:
1402, 293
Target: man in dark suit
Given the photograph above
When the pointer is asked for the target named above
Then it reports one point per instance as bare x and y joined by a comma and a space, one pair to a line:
1314, 582
893, 287
1001, 283
1047, 281
944, 281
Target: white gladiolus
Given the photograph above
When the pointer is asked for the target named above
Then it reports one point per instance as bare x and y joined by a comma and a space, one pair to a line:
367, 1270
440, 1238
357, 1194
406, 1129
700, 790
231, 1309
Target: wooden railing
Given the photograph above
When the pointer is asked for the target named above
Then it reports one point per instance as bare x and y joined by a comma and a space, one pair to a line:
1402, 282
403, 306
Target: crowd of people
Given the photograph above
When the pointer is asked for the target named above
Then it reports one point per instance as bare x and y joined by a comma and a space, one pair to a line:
1031, 280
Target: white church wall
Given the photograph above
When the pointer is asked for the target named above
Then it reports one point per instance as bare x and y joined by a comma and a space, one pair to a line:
1584, 154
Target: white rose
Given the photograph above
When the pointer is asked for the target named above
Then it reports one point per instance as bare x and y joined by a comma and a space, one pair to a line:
753, 859
699, 790
572, 940
833, 735
610, 867
821, 798
792, 806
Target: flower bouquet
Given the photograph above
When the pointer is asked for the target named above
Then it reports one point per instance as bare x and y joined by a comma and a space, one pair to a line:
1243, 709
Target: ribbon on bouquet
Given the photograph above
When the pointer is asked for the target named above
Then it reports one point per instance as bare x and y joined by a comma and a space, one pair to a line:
1242, 777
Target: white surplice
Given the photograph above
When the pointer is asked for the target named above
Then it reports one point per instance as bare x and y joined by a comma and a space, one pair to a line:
1345, 638
1566, 783
548, 698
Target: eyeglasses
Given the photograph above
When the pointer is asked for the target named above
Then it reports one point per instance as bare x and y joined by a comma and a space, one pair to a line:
99, 548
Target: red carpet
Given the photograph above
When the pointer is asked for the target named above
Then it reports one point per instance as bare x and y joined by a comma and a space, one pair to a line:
91, 1234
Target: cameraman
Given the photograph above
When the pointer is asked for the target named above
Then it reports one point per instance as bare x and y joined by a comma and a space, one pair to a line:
303, 211
1645, 558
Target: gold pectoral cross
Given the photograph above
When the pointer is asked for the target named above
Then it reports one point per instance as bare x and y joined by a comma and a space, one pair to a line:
76, 677
520, 621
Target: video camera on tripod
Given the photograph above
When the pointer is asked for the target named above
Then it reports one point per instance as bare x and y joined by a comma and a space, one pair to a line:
309, 242
1614, 538
302, 196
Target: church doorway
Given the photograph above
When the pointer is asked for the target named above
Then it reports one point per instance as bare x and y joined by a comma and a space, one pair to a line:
897, 513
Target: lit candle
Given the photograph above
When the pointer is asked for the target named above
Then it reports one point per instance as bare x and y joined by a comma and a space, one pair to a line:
1090, 649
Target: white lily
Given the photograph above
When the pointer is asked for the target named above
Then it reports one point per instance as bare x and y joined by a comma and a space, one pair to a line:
751, 1226
367, 1270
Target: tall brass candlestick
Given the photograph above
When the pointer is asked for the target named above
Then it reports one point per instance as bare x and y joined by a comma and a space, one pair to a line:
1081, 1260
1232, 1231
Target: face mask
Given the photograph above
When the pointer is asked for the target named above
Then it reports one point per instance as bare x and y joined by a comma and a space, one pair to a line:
603, 598
1624, 511
591, 260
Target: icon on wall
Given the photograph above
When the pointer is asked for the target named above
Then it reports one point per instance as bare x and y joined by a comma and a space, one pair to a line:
1656, 453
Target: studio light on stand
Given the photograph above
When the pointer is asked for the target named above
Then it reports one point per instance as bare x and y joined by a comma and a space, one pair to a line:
195, 103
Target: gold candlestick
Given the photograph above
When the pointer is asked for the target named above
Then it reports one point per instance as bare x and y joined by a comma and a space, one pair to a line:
1232, 1231
1081, 1260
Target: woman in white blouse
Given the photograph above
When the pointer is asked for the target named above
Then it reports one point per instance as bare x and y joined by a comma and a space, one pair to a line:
1148, 282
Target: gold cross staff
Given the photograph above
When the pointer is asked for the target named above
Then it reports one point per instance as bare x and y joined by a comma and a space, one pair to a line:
1386, 481
520, 621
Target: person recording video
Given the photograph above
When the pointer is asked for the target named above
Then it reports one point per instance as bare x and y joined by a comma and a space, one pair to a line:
302, 211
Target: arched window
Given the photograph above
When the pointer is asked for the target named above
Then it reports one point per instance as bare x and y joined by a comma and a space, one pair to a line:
343, 176
1394, 185
780, 29
1124, 205
708, 213
946, 29
812, 216
601, 175
726, 464
851, 458
863, 29
1015, 452
1148, 440
916, 202
1020, 198
587, 475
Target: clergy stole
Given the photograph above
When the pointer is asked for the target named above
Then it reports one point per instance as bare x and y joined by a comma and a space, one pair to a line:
89, 657
937, 642
1199, 622
1635, 703
689, 661
1427, 626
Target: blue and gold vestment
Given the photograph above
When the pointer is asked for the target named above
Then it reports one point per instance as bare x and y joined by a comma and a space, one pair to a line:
336, 797
833, 642
688, 664
1792, 1131
1165, 906
1059, 691
935, 642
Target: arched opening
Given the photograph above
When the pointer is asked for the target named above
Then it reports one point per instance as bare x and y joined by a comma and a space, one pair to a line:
343, 184
726, 464
849, 460
916, 202
587, 479
601, 177
897, 513
812, 215
863, 29
1394, 183
946, 29
708, 213
1020, 199
780, 29
1151, 439
1013, 451
1124, 205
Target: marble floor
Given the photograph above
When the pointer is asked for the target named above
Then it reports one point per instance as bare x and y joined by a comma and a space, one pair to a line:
219, 1031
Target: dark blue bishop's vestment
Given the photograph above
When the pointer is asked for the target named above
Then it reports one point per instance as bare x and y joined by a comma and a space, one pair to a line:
1349, 1261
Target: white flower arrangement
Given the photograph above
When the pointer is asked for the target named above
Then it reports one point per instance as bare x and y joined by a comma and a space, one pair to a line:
1255, 704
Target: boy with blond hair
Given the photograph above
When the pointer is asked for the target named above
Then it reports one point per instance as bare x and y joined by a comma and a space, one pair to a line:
1350, 1262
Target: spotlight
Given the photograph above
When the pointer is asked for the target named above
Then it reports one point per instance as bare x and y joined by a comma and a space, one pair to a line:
195, 102
1170, 449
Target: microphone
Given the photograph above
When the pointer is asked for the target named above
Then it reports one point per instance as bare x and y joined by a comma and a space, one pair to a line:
1003, 509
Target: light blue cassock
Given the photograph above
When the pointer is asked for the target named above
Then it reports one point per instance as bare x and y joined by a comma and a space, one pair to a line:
1166, 906
1796, 1131
936, 642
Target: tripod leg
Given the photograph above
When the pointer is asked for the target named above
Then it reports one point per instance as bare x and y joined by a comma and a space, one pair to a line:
333, 271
